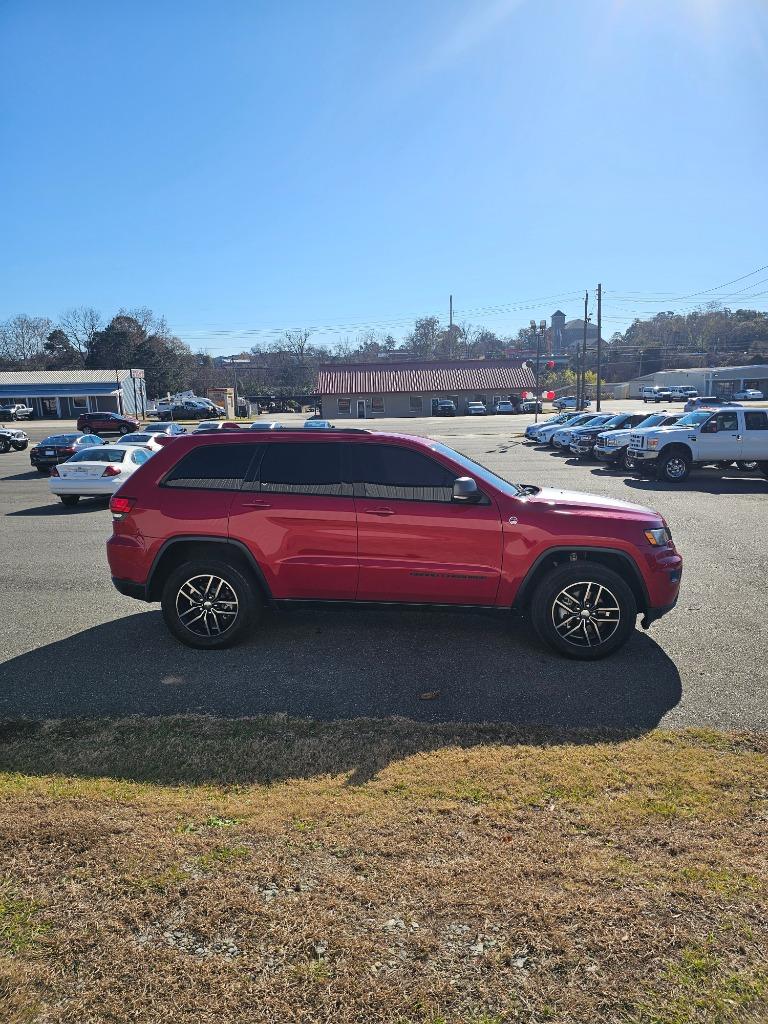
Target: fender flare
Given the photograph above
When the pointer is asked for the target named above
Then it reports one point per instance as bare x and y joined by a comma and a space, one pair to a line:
523, 590
188, 538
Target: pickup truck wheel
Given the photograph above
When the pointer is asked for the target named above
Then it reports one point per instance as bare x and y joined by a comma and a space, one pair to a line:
584, 610
746, 467
209, 604
674, 467
627, 461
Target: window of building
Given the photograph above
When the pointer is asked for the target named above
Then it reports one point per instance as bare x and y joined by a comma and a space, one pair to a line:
756, 420
213, 467
80, 403
345, 406
394, 473
302, 467
416, 404
377, 403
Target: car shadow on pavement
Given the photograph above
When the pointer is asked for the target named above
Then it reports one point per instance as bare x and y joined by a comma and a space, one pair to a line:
29, 475
56, 508
743, 484
440, 675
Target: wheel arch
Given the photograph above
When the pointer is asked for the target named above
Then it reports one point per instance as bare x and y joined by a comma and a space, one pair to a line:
611, 558
676, 447
178, 549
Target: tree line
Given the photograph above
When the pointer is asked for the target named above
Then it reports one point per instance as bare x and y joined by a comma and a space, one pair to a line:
81, 338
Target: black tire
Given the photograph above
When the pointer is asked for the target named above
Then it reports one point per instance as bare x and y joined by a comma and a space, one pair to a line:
551, 621
20, 446
124, 430
763, 467
87, 430
674, 467
747, 467
43, 469
5, 445
626, 460
177, 603
69, 500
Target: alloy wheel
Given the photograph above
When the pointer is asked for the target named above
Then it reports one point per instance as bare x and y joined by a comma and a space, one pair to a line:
676, 468
206, 605
586, 614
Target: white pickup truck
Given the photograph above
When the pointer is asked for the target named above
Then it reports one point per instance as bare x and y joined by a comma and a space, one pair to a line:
15, 411
707, 435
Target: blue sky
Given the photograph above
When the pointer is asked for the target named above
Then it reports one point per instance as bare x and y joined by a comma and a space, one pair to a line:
251, 166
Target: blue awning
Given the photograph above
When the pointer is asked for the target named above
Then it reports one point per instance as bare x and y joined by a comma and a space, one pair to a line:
56, 390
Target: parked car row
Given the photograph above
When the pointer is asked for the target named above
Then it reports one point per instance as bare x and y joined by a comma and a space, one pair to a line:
665, 445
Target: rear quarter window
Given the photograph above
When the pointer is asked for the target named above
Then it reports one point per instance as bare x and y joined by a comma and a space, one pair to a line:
213, 467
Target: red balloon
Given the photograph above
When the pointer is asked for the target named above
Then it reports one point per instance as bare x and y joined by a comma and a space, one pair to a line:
549, 395
550, 364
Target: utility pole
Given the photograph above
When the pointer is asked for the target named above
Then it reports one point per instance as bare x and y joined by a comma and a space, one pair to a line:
584, 352
450, 313
599, 338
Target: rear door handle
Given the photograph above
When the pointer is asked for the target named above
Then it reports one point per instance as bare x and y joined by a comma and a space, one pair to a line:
379, 511
257, 504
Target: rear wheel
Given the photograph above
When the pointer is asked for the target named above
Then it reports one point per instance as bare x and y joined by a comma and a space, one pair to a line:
209, 604
43, 469
584, 610
20, 446
5, 445
674, 467
69, 499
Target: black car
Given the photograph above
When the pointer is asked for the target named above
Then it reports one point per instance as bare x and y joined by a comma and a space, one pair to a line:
445, 407
60, 447
584, 441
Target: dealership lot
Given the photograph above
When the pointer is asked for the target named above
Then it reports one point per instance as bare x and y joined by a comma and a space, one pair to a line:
74, 646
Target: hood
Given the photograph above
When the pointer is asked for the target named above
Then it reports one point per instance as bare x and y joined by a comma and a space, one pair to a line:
577, 501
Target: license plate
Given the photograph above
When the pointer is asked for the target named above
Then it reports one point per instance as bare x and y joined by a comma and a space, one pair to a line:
48, 451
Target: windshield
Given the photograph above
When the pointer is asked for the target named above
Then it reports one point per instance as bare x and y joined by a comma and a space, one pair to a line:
651, 421
106, 454
136, 438
615, 421
693, 419
596, 421
481, 472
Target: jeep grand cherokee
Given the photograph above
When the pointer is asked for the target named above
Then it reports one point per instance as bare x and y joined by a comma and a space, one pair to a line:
215, 526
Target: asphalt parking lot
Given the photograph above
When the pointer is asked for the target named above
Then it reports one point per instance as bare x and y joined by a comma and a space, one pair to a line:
73, 646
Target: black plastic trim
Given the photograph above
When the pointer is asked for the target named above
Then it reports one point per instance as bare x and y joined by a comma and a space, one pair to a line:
206, 539
129, 588
586, 549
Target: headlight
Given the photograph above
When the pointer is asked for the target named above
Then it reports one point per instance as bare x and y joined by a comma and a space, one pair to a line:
653, 442
658, 538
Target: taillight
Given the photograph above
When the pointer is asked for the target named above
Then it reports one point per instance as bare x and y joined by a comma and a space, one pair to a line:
112, 471
120, 507
66, 451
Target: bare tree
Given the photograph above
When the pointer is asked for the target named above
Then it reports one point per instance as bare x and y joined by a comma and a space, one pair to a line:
22, 340
80, 325
296, 342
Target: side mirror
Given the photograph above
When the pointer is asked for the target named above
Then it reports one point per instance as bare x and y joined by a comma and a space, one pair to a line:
465, 489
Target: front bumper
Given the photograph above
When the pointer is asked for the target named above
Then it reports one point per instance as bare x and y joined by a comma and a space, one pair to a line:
643, 454
606, 454
581, 448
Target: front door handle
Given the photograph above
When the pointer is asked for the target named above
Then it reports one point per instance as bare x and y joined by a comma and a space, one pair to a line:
256, 504
379, 511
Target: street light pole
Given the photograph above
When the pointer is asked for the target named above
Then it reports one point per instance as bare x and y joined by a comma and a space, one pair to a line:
538, 333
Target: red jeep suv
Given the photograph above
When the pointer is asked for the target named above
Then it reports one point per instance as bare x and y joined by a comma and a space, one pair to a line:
216, 525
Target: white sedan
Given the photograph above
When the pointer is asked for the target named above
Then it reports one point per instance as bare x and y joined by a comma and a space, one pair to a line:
749, 395
144, 439
96, 472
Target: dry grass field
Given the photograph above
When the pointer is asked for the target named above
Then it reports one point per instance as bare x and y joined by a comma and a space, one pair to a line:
275, 870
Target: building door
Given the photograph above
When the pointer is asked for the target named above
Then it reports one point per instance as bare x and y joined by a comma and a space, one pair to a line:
361, 408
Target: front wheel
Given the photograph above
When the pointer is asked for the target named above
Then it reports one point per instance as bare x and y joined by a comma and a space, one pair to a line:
5, 445
20, 446
209, 604
69, 499
584, 610
627, 461
673, 468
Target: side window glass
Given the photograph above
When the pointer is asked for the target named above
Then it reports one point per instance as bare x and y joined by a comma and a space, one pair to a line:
139, 457
302, 467
727, 421
213, 467
756, 420
393, 473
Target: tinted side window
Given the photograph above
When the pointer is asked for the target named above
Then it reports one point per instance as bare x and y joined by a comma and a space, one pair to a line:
300, 467
390, 472
756, 420
216, 467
